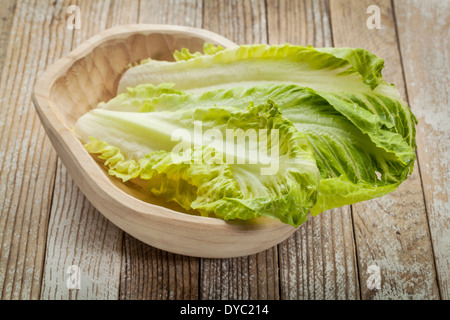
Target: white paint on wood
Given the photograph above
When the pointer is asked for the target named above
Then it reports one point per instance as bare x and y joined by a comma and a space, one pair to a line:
79, 235
388, 230
27, 160
424, 33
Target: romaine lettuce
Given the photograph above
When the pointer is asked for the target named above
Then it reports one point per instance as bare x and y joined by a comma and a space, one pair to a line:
353, 168
354, 127
180, 163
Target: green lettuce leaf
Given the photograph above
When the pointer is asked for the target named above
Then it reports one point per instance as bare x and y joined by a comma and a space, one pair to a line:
275, 177
250, 65
185, 54
361, 134
355, 163
349, 75
135, 99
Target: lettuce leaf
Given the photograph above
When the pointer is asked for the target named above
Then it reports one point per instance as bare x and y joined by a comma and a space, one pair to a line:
175, 160
347, 74
328, 69
140, 97
185, 54
353, 168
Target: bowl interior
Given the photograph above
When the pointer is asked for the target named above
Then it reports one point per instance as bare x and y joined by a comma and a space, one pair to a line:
94, 78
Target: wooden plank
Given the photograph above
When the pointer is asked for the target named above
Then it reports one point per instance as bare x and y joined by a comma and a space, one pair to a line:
152, 274
6, 16
243, 22
27, 160
391, 232
147, 272
78, 234
318, 261
249, 277
97, 16
424, 33
299, 22
255, 276
178, 12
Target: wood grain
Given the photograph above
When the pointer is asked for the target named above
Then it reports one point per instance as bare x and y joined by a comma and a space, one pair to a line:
177, 12
300, 22
424, 33
97, 16
251, 277
78, 233
6, 15
150, 273
27, 160
243, 22
318, 261
391, 232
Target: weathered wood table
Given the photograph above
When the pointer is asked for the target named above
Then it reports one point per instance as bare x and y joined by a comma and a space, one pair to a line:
47, 225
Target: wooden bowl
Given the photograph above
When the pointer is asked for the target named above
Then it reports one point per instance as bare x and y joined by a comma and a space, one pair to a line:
88, 75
